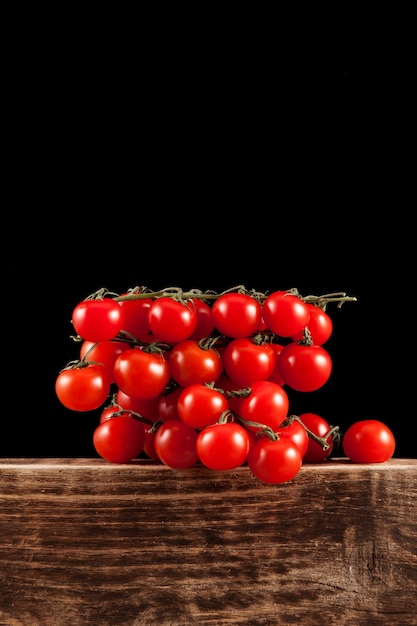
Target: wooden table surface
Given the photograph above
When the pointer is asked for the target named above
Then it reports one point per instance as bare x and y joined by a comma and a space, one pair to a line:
84, 541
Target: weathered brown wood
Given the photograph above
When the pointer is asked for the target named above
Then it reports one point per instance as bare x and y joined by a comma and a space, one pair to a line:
83, 541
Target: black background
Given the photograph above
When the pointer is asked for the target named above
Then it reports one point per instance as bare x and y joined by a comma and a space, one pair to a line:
205, 165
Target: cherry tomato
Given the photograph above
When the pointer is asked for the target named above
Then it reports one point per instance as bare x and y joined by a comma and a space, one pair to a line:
98, 320
368, 441
295, 432
304, 367
141, 374
189, 363
175, 444
83, 388
236, 315
168, 404
246, 362
105, 353
285, 314
275, 376
318, 426
149, 445
320, 326
135, 318
119, 439
147, 407
274, 461
200, 405
223, 446
205, 320
267, 404
170, 320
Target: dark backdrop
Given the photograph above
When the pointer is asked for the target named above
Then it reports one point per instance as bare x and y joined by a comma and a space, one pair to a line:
207, 171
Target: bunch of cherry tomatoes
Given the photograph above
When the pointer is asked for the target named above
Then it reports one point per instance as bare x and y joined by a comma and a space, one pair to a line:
189, 377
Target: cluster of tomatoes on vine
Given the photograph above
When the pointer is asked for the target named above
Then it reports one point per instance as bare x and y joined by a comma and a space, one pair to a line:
189, 378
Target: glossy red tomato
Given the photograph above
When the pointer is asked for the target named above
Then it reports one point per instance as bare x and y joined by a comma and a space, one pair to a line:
105, 353
275, 376
304, 367
168, 404
191, 363
295, 432
170, 320
98, 320
368, 441
318, 426
320, 326
223, 446
267, 404
83, 388
205, 320
236, 315
285, 314
274, 461
120, 439
199, 405
141, 374
147, 407
175, 444
135, 318
246, 362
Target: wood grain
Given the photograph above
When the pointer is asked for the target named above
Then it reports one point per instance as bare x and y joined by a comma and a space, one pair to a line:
83, 541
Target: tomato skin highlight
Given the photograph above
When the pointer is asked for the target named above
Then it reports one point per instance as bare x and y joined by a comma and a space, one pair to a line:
368, 441
223, 446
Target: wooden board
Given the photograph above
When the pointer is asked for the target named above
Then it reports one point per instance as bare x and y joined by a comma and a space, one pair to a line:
84, 541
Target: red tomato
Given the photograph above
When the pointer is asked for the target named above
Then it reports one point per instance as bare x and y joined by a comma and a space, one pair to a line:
246, 362
236, 315
223, 446
149, 445
318, 426
146, 407
175, 444
304, 367
320, 326
141, 374
105, 353
267, 404
167, 404
295, 432
83, 388
135, 318
275, 376
98, 320
200, 405
191, 363
170, 320
368, 441
285, 314
205, 320
274, 461
119, 440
